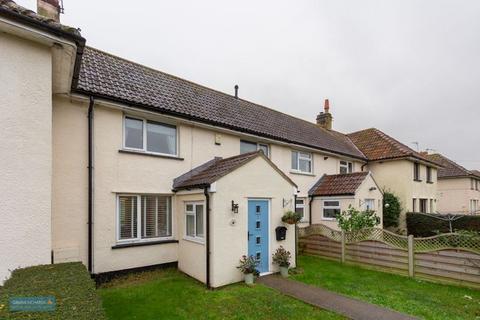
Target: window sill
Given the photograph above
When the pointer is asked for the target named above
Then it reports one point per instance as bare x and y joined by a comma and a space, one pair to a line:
150, 154
302, 173
197, 241
141, 244
328, 219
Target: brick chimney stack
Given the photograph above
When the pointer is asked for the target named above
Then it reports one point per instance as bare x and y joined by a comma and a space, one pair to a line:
50, 9
324, 119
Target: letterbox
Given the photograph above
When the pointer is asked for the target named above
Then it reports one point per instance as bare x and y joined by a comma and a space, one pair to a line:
281, 233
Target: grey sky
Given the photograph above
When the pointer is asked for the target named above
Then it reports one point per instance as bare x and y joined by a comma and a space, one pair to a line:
409, 68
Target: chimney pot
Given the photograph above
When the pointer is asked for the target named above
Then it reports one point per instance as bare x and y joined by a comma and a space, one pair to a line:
324, 119
50, 9
236, 91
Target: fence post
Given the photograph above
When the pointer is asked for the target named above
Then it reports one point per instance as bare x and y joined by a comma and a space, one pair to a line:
411, 256
343, 246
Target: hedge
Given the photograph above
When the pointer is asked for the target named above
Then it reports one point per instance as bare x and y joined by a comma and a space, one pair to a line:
421, 225
69, 283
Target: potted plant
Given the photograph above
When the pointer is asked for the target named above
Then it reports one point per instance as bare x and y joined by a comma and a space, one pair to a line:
248, 266
282, 257
291, 217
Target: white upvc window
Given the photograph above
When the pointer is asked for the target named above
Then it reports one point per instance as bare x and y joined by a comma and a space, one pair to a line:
248, 146
346, 167
300, 208
149, 136
302, 161
194, 221
369, 204
474, 206
331, 208
142, 218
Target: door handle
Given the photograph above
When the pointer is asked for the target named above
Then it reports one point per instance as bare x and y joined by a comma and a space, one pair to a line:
248, 235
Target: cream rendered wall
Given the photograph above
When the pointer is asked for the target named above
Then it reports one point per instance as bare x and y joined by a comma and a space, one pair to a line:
397, 176
117, 172
191, 254
26, 159
454, 195
256, 179
70, 196
357, 201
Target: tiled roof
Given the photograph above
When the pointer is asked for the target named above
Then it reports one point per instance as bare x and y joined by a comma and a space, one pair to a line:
11, 9
106, 76
377, 145
338, 184
475, 172
449, 168
211, 171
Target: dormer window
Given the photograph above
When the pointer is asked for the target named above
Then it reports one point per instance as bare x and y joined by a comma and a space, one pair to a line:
346, 167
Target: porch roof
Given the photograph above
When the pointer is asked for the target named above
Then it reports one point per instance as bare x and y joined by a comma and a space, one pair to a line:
209, 172
338, 184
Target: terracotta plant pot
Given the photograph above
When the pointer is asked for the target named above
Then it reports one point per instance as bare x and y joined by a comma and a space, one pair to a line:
249, 278
284, 272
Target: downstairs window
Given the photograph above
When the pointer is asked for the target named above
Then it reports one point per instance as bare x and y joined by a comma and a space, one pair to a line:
143, 217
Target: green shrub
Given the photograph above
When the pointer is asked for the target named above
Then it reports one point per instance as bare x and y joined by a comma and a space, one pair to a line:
421, 225
69, 283
391, 210
354, 220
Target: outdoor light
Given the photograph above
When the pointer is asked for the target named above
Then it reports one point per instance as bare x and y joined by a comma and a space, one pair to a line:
234, 207
387, 205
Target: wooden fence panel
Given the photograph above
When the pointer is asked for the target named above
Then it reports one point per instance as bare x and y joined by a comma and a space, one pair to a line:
446, 265
377, 254
321, 246
456, 265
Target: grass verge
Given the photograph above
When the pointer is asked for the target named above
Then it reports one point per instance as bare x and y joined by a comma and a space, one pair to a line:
169, 294
415, 297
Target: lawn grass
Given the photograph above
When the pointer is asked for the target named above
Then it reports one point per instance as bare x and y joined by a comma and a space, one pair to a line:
169, 294
415, 297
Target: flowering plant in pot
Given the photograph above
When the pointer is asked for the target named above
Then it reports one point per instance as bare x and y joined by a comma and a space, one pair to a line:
248, 266
291, 217
282, 257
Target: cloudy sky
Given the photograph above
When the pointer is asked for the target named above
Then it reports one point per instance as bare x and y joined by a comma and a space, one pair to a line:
410, 68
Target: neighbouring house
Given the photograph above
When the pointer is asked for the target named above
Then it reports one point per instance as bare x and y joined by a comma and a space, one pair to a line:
458, 188
333, 194
118, 165
399, 169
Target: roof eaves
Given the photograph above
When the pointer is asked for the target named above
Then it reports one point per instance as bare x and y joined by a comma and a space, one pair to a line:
71, 34
211, 122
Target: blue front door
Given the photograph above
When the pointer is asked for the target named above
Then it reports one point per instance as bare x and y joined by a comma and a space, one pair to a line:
258, 232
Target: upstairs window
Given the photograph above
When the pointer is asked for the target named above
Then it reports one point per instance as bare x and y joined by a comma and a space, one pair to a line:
144, 217
429, 175
247, 146
302, 161
346, 167
416, 171
149, 136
